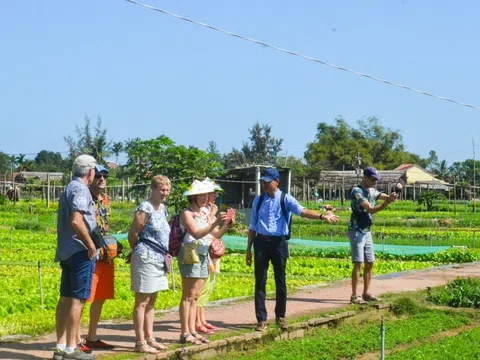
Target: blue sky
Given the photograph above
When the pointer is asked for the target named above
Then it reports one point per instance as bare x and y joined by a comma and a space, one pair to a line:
148, 74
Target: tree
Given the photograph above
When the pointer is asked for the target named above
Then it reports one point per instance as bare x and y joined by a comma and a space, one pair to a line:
19, 161
442, 170
432, 161
50, 161
6, 163
146, 158
428, 198
91, 143
117, 148
263, 148
337, 146
212, 150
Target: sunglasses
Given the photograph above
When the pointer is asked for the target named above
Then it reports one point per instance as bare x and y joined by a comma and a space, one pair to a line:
99, 176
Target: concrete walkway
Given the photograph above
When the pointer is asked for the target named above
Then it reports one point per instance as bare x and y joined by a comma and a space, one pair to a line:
238, 315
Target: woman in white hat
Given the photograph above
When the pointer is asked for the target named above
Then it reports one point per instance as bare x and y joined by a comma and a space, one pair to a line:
211, 209
193, 256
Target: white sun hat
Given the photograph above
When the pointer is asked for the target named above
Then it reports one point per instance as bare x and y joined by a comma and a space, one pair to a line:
216, 187
199, 187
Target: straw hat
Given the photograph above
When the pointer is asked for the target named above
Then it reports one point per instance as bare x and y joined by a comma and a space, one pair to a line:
199, 187
216, 187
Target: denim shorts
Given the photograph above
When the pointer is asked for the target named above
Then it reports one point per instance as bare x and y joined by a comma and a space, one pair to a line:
77, 274
361, 244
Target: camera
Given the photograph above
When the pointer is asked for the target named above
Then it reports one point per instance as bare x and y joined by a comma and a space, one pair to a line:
397, 188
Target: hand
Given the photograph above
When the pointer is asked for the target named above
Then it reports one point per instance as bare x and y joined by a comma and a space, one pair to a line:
330, 217
232, 221
92, 252
226, 220
392, 197
248, 257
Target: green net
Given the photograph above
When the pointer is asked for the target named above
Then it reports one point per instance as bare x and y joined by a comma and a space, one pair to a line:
240, 243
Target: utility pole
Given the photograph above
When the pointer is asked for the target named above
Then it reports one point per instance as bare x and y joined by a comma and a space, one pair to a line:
474, 188
359, 165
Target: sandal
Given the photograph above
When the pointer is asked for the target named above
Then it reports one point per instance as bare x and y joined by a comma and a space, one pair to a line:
211, 327
189, 338
144, 348
156, 345
203, 329
370, 297
200, 338
357, 300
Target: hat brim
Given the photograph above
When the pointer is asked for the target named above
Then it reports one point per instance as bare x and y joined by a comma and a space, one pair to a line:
267, 178
375, 176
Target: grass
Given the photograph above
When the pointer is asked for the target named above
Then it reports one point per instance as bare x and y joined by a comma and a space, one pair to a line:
348, 341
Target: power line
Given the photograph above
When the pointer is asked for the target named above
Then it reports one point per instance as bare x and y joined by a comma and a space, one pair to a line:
290, 52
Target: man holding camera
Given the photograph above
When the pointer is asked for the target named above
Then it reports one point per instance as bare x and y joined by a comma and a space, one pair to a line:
76, 253
363, 203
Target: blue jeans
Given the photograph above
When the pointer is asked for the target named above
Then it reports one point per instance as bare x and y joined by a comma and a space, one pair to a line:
276, 251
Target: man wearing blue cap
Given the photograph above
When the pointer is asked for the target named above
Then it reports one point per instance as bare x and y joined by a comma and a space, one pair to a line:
363, 199
268, 232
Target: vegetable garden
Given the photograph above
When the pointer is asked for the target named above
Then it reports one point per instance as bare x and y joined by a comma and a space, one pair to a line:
29, 278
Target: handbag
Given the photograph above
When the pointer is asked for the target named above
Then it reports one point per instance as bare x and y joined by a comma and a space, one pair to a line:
190, 253
167, 262
216, 249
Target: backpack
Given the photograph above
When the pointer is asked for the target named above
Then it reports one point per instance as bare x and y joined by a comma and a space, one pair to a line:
176, 236
110, 248
284, 211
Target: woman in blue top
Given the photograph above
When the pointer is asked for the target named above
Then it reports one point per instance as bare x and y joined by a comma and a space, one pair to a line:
148, 237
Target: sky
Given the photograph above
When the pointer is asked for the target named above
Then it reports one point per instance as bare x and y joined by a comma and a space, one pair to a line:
147, 74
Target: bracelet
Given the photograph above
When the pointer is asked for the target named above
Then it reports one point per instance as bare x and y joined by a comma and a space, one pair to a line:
321, 217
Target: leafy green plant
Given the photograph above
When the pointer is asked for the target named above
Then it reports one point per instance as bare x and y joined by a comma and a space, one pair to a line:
458, 293
428, 198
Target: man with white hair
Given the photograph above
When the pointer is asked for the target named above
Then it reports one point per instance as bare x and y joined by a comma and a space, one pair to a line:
76, 253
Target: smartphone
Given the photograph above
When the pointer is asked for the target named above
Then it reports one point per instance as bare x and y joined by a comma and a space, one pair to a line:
231, 213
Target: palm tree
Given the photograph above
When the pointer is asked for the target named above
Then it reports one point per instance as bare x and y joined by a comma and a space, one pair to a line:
117, 148
442, 170
19, 160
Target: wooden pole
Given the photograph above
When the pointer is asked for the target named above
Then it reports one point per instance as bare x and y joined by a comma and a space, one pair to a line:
48, 190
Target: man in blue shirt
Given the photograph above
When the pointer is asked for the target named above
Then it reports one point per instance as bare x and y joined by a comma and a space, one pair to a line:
76, 253
363, 203
268, 232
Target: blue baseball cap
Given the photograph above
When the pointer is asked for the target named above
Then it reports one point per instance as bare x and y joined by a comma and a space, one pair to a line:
100, 169
270, 174
372, 172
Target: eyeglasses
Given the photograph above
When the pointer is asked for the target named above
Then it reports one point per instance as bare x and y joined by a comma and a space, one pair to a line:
99, 176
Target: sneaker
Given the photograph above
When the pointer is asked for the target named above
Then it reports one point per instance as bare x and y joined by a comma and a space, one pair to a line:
79, 355
58, 354
82, 345
357, 300
281, 323
370, 297
261, 326
98, 344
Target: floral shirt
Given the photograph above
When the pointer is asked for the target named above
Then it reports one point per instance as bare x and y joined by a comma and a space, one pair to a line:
102, 211
156, 229
359, 195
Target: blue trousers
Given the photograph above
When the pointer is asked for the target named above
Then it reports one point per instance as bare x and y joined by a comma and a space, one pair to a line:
276, 251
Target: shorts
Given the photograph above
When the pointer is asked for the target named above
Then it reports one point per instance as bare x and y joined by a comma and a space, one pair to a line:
198, 270
361, 245
147, 273
102, 282
77, 274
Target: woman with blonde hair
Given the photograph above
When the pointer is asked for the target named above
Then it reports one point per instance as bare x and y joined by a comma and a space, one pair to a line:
148, 237
193, 256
